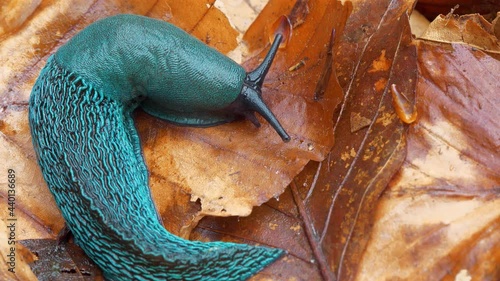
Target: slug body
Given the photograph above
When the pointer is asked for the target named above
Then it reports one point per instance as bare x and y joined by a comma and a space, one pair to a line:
89, 151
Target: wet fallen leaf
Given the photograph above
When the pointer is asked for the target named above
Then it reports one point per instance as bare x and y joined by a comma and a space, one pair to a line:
441, 211
338, 195
323, 219
439, 218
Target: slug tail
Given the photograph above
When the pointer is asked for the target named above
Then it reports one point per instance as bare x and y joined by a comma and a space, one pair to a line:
217, 261
90, 157
239, 262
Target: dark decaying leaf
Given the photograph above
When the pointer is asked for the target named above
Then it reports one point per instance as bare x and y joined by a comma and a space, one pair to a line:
472, 30
65, 262
339, 194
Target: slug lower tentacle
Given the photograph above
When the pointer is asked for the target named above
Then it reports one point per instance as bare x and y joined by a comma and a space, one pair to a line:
89, 151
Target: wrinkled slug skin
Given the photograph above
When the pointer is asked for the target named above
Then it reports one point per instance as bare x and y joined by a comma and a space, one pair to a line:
89, 152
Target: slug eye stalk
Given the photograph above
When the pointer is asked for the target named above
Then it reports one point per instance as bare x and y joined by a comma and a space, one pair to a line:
257, 76
250, 98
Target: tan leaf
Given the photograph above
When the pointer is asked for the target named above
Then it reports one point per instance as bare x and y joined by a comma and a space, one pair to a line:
472, 30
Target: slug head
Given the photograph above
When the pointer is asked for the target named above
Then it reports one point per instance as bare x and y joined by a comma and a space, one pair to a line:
250, 100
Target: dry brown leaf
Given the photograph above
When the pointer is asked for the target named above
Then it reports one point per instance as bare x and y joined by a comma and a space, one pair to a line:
278, 223
472, 30
440, 218
433, 8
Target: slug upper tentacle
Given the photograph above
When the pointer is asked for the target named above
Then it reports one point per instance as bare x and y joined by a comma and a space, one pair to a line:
89, 151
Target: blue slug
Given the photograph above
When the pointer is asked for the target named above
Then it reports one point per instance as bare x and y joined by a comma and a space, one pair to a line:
88, 148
